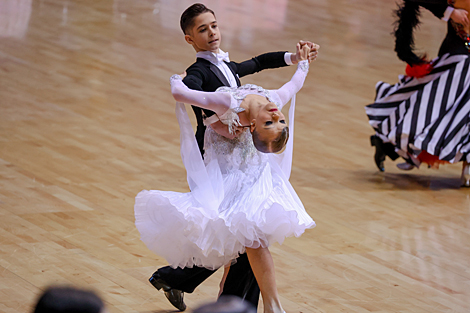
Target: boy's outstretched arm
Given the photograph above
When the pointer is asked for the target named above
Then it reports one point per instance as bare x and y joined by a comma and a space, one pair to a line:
261, 62
275, 59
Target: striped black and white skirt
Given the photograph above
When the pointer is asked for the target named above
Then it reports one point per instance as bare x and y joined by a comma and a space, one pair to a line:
427, 115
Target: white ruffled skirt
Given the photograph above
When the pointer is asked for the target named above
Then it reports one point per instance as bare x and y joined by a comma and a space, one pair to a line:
176, 226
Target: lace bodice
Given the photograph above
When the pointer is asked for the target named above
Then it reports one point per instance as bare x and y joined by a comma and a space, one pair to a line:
240, 164
232, 154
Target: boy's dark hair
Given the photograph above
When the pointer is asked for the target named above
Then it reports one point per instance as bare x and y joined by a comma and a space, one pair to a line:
188, 16
271, 147
64, 299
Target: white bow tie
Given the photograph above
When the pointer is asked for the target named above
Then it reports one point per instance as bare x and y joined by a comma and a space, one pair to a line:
222, 57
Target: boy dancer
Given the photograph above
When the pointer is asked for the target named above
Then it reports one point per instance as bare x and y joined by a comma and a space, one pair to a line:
212, 70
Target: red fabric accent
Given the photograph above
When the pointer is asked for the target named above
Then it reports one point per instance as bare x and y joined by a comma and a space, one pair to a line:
418, 71
432, 160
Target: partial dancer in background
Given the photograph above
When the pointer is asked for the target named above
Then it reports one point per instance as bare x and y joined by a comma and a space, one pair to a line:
240, 199
425, 116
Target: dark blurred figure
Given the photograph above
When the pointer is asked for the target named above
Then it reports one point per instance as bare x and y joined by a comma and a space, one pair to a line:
63, 299
227, 304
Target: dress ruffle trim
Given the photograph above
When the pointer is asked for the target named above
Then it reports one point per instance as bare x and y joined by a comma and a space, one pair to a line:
173, 226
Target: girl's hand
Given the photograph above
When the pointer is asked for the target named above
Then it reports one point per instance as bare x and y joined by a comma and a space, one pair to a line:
302, 52
222, 130
312, 56
183, 75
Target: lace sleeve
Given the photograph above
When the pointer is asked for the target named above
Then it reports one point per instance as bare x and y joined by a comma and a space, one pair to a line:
289, 89
219, 102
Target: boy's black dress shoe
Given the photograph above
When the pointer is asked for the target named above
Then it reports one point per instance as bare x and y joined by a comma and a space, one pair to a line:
175, 296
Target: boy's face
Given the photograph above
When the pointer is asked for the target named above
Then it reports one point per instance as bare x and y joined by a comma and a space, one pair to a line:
205, 34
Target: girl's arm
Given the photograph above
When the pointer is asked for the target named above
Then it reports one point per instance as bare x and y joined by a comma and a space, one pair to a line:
219, 102
289, 89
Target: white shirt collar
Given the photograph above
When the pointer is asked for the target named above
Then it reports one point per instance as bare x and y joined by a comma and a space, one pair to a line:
212, 57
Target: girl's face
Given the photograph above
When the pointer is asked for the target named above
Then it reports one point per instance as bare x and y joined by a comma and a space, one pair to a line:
269, 123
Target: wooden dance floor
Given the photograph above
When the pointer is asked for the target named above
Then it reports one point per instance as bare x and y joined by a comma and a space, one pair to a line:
87, 121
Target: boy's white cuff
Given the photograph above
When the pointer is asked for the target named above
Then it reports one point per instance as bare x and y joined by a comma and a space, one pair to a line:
287, 57
447, 14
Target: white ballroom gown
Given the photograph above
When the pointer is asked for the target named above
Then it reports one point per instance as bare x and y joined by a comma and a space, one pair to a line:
239, 196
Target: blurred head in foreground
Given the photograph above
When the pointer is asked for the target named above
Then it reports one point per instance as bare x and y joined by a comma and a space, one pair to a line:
66, 299
227, 304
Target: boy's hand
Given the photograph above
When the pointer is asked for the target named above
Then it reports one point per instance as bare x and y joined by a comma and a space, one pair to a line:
222, 130
312, 55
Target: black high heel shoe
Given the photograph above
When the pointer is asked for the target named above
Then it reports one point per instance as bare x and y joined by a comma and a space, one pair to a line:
379, 156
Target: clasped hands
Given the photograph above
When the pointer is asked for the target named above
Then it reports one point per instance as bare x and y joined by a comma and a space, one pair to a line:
305, 50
